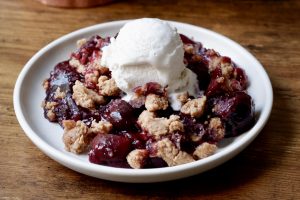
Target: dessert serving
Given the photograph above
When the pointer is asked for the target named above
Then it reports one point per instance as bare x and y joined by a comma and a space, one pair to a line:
147, 97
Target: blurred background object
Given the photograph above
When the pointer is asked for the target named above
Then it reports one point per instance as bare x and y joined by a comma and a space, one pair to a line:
74, 3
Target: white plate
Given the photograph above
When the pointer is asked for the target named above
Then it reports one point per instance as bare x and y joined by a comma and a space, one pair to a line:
28, 95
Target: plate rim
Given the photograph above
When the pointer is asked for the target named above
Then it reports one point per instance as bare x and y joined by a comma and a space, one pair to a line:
120, 174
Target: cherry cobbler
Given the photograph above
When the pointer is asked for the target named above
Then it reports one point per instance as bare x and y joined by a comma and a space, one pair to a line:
145, 132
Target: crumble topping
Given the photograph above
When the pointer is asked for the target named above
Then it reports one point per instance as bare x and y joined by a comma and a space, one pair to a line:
159, 126
216, 128
183, 98
189, 48
81, 42
107, 87
102, 127
76, 136
175, 124
137, 101
91, 78
204, 150
170, 154
58, 94
213, 64
155, 102
49, 106
154, 126
194, 107
85, 97
46, 84
136, 158
226, 69
80, 68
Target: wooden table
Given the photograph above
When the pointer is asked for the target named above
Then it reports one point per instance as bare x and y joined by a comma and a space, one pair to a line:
267, 169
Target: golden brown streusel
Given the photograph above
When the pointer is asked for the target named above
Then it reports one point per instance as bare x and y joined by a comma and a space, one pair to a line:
107, 87
170, 154
194, 107
155, 102
136, 158
76, 136
80, 68
58, 94
204, 150
159, 126
102, 127
46, 84
80, 42
85, 97
216, 128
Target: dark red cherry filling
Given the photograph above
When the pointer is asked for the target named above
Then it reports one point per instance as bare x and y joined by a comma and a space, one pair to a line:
237, 111
110, 150
90, 50
120, 114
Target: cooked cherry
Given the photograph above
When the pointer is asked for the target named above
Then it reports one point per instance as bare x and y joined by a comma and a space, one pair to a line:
90, 50
120, 114
186, 40
149, 88
237, 111
109, 149
155, 162
201, 70
137, 138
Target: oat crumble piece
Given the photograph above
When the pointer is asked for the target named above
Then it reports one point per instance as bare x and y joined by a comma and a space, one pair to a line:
227, 69
85, 97
137, 101
50, 107
159, 126
194, 107
183, 98
102, 70
189, 48
155, 102
175, 124
216, 128
107, 87
204, 150
92, 77
58, 94
154, 126
76, 136
102, 127
136, 158
51, 115
80, 68
46, 84
170, 154
213, 64
68, 124
220, 79
81, 42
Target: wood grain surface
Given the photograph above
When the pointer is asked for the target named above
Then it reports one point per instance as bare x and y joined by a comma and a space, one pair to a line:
268, 169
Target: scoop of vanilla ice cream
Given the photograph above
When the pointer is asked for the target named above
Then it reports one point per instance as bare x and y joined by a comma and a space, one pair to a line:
149, 50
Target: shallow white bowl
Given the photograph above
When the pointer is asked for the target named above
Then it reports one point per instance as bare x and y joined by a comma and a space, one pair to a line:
28, 95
